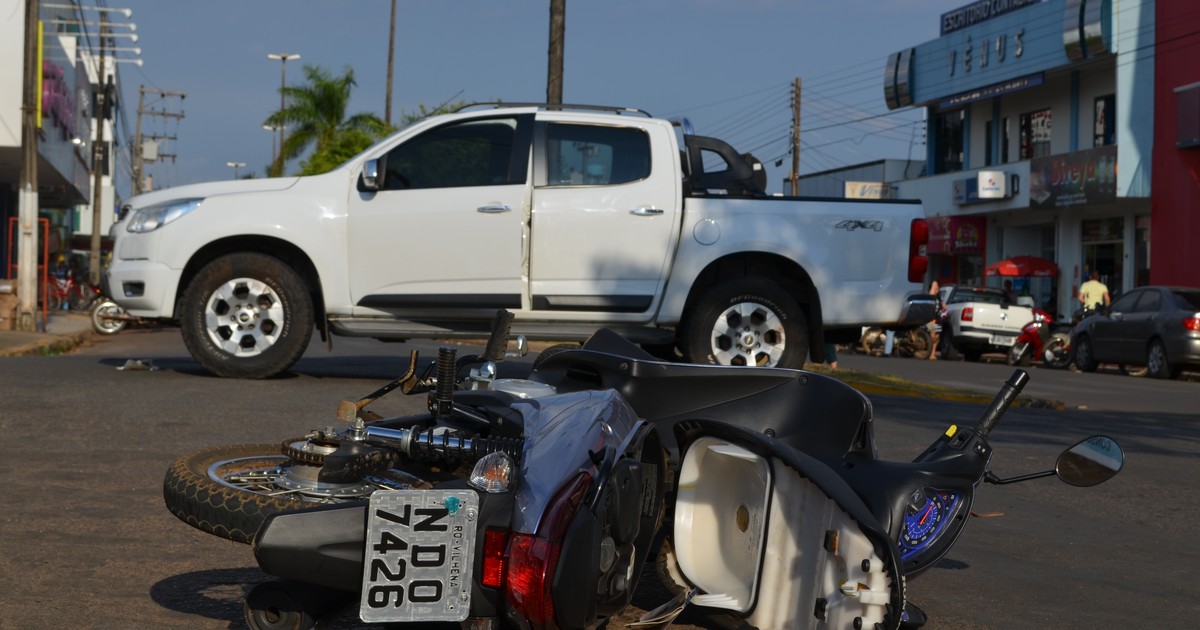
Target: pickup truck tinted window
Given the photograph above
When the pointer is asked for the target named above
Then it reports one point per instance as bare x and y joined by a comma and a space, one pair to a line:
593, 155
472, 153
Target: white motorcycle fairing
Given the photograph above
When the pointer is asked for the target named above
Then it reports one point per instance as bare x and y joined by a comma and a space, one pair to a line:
776, 538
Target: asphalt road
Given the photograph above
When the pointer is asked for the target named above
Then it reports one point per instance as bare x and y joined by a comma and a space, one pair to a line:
87, 543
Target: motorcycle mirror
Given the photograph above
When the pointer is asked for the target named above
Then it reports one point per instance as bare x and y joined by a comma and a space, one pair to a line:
1090, 462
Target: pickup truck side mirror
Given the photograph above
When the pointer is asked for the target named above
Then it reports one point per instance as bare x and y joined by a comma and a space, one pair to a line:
369, 179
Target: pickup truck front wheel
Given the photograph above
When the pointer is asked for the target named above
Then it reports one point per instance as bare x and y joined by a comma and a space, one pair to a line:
745, 322
246, 315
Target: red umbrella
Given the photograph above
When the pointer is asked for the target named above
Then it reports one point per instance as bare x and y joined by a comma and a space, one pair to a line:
1023, 266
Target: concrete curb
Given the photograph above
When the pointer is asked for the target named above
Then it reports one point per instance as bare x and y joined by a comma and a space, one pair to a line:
916, 391
48, 344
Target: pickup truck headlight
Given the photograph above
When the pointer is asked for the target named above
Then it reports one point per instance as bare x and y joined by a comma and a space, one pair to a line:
153, 217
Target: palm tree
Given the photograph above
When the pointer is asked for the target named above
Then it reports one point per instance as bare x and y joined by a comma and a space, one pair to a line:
315, 116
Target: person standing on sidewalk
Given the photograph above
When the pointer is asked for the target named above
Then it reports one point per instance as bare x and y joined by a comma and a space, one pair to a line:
935, 326
1094, 294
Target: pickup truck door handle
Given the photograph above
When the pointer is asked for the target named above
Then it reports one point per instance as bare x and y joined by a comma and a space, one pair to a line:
493, 209
646, 211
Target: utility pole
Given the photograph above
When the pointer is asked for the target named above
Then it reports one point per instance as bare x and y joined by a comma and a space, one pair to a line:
558, 27
104, 94
28, 194
387, 108
795, 175
139, 156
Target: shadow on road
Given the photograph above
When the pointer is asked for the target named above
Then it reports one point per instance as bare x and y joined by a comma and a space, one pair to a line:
214, 594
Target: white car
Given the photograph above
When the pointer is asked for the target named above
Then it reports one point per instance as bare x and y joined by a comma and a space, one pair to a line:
981, 319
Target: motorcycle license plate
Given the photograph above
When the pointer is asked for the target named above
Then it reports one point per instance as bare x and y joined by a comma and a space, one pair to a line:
1003, 340
417, 565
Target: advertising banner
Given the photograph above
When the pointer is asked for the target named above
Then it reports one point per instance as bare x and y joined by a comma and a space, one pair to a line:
1074, 179
957, 235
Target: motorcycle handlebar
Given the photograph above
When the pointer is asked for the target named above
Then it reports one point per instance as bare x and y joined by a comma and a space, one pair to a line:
1007, 394
498, 341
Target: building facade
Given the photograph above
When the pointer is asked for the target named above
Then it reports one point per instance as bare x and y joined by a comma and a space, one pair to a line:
66, 130
1175, 220
1040, 129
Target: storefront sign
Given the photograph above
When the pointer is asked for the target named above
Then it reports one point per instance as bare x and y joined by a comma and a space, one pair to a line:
957, 235
1074, 179
984, 186
977, 12
992, 91
867, 190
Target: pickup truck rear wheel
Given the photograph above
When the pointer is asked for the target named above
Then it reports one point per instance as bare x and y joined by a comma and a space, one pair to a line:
745, 322
246, 315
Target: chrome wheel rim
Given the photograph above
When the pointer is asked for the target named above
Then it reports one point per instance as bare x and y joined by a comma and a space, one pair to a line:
244, 317
102, 317
748, 333
278, 476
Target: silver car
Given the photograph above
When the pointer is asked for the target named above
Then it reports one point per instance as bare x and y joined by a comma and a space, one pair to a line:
1155, 326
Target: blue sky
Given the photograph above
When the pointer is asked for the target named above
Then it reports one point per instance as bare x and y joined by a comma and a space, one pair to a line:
727, 65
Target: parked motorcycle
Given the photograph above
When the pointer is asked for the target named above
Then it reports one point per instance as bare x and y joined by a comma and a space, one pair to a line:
108, 318
912, 342
535, 502
1040, 340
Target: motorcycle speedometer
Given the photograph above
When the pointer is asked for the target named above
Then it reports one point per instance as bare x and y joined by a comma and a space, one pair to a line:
929, 513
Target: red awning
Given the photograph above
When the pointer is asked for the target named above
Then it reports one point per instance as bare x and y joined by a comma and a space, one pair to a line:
1023, 266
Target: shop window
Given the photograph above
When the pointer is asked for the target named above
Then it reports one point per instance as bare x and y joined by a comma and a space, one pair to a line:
1105, 122
990, 142
949, 156
1035, 134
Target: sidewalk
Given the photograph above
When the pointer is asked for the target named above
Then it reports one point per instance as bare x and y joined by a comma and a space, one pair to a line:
64, 331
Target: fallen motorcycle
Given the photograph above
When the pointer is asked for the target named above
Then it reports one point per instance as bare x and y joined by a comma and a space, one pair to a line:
535, 502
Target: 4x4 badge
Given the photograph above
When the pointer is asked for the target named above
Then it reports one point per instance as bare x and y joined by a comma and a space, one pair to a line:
853, 224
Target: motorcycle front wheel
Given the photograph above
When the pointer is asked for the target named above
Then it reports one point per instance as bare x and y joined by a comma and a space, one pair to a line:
1057, 353
228, 491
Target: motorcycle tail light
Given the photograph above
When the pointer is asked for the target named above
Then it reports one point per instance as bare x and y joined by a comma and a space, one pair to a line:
533, 559
493, 473
494, 543
968, 314
1192, 323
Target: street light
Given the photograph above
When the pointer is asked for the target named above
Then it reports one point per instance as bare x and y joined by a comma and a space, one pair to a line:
235, 166
273, 129
283, 59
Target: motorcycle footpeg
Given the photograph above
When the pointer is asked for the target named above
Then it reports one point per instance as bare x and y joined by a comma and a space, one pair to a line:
351, 462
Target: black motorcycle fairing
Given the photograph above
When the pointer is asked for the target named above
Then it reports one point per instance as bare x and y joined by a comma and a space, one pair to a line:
955, 463
826, 479
623, 512
325, 546
321, 545
821, 415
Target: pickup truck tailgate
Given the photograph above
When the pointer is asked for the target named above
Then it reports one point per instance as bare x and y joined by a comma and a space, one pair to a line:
997, 319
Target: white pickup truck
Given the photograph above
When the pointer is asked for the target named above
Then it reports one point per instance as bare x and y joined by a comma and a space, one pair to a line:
573, 218
983, 320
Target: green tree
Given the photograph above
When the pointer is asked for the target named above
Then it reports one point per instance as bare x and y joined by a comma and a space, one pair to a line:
314, 115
